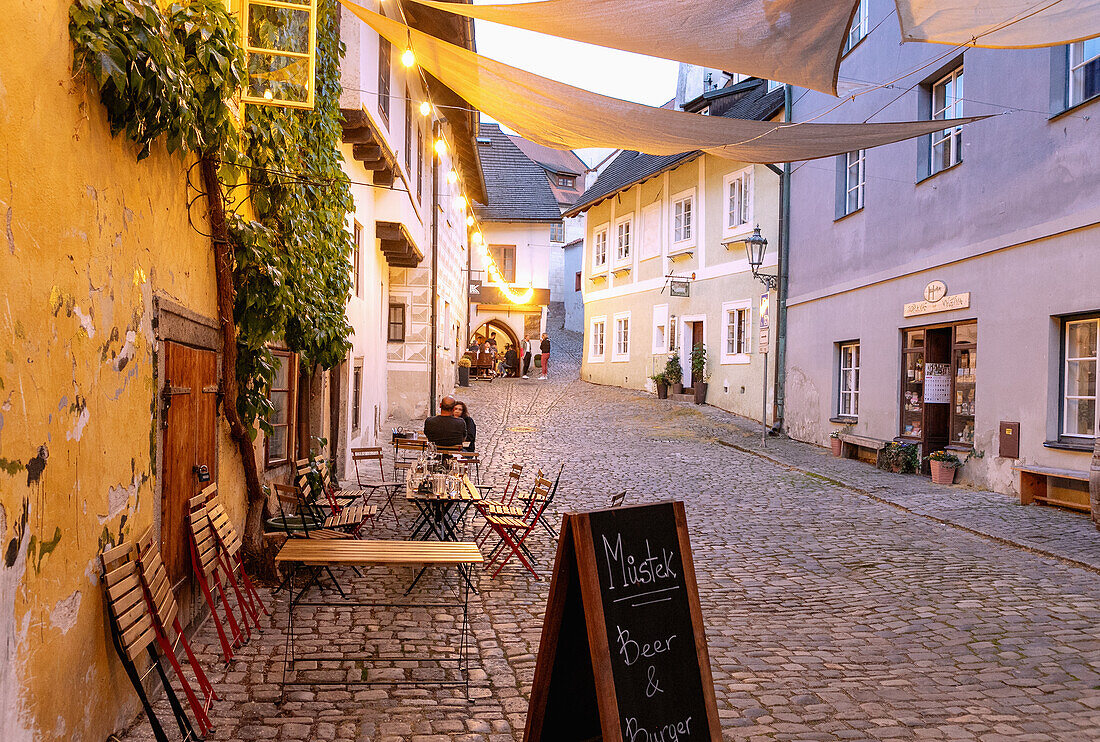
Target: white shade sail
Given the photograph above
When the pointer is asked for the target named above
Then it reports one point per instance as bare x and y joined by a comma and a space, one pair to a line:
793, 41
1010, 24
564, 117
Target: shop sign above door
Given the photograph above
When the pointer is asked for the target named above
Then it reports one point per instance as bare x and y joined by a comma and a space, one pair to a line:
936, 299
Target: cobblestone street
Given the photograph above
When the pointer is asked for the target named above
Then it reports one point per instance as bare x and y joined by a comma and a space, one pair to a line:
840, 602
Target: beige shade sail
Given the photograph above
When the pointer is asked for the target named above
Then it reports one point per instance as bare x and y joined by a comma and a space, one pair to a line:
793, 41
1007, 24
564, 117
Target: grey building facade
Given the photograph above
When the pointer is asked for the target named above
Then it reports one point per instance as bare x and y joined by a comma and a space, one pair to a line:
910, 262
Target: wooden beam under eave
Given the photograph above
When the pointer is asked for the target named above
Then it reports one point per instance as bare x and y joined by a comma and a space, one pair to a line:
366, 152
360, 135
384, 177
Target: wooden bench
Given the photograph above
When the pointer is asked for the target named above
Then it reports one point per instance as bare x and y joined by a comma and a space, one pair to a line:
1048, 485
861, 447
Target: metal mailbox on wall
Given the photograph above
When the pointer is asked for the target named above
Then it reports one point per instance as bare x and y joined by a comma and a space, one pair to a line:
1009, 445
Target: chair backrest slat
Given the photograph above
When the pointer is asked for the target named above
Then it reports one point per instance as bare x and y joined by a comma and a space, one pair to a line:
203, 535
126, 599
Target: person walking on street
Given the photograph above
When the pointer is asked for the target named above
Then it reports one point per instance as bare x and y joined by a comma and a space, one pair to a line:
526, 355
545, 349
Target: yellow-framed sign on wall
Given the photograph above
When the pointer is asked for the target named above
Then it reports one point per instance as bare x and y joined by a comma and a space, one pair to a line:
280, 42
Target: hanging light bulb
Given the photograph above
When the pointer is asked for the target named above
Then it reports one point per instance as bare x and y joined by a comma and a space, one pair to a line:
407, 57
476, 238
268, 95
470, 221
461, 203
440, 147
452, 176
425, 108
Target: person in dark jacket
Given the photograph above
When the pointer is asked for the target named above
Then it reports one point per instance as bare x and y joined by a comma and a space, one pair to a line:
511, 361
545, 348
445, 429
471, 428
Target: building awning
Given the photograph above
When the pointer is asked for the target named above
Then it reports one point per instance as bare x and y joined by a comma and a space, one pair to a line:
397, 245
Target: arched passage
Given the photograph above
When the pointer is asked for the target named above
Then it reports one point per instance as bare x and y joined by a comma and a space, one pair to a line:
499, 328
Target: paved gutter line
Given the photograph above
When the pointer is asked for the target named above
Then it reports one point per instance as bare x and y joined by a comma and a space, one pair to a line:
859, 491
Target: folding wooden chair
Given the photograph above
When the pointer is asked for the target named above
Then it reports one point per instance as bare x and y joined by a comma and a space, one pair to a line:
370, 486
405, 454
133, 632
208, 569
471, 459
339, 517
290, 497
513, 531
317, 476
229, 548
165, 615
542, 499
617, 500
504, 505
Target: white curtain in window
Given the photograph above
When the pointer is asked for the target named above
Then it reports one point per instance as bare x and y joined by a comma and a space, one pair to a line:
1010, 24
564, 117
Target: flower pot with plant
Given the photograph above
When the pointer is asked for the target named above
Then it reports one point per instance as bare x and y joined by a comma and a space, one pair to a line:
899, 458
943, 465
464, 364
662, 384
699, 371
835, 442
674, 374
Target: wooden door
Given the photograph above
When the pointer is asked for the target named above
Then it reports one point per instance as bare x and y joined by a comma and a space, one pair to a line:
696, 339
189, 396
937, 415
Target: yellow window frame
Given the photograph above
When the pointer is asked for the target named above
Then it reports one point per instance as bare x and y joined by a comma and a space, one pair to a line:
310, 55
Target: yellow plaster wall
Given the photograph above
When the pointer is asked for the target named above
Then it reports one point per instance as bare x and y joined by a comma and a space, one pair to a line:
87, 238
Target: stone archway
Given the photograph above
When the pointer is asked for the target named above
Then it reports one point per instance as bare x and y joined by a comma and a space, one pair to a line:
497, 327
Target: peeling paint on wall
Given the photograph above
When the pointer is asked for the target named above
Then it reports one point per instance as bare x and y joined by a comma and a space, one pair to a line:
12, 727
37, 465
63, 616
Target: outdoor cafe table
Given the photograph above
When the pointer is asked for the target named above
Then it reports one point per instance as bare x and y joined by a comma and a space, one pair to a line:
316, 555
441, 514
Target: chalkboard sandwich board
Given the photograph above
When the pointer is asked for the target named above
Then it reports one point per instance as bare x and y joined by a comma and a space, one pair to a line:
623, 656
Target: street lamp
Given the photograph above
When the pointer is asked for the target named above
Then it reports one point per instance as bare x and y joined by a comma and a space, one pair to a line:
755, 247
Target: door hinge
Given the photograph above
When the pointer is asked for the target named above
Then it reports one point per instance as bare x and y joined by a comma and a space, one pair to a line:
166, 394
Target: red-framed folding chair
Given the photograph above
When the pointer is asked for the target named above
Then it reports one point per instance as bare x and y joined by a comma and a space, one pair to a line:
513, 532
230, 547
165, 615
208, 569
504, 505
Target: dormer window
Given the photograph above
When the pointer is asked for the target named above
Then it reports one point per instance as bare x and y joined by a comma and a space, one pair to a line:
567, 181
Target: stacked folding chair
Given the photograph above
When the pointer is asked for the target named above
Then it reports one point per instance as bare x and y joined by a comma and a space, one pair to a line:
165, 614
134, 631
208, 573
229, 551
513, 531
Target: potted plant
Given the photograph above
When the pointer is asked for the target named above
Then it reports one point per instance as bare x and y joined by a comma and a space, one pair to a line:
943, 465
662, 384
464, 364
899, 458
699, 369
835, 443
674, 374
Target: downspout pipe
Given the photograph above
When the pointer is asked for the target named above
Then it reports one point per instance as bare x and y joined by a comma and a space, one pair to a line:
434, 356
783, 273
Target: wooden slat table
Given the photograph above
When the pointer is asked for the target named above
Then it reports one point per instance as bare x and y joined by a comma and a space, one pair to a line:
318, 555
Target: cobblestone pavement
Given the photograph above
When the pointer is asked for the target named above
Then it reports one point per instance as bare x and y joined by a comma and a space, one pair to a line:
830, 615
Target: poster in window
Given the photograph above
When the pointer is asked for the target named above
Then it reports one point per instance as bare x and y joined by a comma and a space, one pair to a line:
937, 383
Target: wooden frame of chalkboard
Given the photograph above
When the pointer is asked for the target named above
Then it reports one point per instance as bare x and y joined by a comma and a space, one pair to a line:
615, 660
